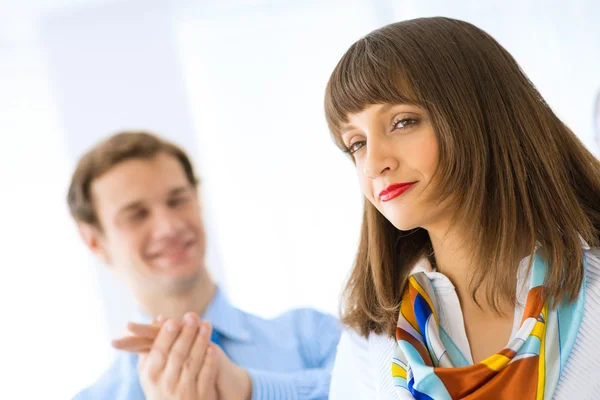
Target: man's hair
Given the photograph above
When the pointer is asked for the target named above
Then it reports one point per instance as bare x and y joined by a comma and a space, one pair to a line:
120, 147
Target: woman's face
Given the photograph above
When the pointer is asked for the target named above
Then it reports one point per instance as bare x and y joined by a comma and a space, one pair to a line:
396, 154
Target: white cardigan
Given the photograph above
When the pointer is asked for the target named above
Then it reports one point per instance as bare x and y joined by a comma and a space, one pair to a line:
362, 368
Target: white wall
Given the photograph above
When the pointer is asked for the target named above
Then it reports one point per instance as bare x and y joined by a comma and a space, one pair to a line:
240, 85
53, 332
286, 201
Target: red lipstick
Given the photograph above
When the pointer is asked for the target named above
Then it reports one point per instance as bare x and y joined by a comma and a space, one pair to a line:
395, 190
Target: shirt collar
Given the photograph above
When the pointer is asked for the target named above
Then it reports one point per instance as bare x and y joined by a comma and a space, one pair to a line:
227, 320
441, 281
438, 280
584, 244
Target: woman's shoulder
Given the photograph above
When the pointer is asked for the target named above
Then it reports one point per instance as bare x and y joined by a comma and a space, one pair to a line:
593, 261
381, 350
592, 278
366, 362
364, 349
351, 372
578, 378
592, 282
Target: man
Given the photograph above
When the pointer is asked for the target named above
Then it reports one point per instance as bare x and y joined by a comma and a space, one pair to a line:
134, 198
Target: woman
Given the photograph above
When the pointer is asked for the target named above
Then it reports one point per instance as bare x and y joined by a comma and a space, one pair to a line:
478, 270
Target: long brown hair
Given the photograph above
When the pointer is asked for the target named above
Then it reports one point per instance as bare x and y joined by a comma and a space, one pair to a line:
519, 176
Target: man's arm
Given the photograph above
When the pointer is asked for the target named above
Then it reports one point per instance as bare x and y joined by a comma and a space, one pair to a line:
318, 335
308, 384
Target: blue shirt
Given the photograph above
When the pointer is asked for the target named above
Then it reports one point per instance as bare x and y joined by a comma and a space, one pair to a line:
289, 357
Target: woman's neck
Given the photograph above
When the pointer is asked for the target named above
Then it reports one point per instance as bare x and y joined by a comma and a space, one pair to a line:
453, 258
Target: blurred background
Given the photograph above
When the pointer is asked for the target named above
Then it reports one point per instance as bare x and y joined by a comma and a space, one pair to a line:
239, 84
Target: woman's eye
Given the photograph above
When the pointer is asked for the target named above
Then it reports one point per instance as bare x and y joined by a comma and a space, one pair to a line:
404, 123
354, 147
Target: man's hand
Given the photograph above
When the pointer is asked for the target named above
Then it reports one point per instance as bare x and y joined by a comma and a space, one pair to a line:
232, 381
181, 364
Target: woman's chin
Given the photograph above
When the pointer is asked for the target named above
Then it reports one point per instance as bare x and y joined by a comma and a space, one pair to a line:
404, 225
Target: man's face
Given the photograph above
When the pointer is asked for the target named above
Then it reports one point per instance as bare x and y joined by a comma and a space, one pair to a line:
151, 227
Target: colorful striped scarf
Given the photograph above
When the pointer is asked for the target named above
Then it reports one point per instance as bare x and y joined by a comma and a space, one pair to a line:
527, 369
